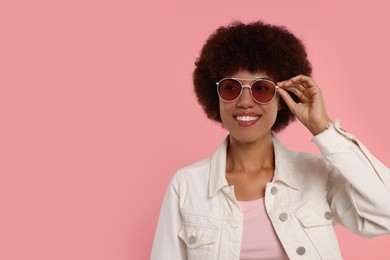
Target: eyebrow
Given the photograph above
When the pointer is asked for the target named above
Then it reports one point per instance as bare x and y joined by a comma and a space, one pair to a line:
253, 79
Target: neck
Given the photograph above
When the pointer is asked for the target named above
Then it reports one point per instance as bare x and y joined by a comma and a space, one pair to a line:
250, 157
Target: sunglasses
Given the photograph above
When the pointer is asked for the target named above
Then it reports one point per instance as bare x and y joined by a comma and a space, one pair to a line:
262, 90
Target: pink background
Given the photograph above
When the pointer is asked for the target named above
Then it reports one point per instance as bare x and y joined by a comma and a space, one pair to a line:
97, 112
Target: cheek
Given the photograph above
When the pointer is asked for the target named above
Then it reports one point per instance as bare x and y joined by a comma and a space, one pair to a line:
278, 102
273, 110
222, 110
225, 112
275, 106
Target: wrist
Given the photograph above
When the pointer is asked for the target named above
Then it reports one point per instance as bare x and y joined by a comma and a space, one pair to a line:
321, 126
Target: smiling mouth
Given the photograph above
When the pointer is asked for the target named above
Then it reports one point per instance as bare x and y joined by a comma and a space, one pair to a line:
247, 118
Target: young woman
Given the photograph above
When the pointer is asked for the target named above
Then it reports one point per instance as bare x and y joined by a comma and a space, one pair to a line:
253, 198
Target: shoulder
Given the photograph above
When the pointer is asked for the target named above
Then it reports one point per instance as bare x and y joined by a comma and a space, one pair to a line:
194, 171
296, 159
282, 153
200, 165
301, 169
304, 158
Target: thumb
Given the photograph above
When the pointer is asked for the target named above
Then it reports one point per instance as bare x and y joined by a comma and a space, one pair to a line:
288, 99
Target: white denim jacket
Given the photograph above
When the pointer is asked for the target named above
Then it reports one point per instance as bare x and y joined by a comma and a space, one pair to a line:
200, 218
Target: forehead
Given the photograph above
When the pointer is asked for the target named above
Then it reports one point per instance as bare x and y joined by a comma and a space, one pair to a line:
247, 76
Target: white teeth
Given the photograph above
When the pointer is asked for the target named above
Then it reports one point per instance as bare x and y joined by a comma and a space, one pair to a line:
247, 118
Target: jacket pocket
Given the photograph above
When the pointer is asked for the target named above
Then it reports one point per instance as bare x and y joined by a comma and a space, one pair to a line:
316, 216
317, 222
200, 240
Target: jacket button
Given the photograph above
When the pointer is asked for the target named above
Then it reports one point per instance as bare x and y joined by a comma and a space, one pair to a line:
274, 190
301, 250
328, 215
283, 217
192, 240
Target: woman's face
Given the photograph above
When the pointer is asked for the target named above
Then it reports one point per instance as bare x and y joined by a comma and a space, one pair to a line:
246, 120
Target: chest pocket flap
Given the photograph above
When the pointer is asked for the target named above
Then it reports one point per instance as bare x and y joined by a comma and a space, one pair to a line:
197, 235
319, 215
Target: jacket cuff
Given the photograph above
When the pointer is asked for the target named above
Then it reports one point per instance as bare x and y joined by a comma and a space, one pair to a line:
333, 139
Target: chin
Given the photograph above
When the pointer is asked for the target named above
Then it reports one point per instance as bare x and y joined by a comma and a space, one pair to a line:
248, 138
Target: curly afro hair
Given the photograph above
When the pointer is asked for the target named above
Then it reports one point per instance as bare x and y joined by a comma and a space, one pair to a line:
255, 47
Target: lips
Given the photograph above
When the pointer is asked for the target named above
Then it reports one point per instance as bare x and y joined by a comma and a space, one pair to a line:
246, 119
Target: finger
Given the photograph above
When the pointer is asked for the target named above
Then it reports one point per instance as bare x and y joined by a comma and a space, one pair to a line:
306, 81
302, 80
300, 87
300, 77
304, 98
293, 87
297, 92
287, 99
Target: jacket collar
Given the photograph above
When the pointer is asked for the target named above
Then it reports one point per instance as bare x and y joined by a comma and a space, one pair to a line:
285, 167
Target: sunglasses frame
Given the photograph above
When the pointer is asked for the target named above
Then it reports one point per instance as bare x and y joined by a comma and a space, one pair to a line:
250, 89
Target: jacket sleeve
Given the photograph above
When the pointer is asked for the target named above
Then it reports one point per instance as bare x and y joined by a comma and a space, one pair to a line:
358, 185
167, 245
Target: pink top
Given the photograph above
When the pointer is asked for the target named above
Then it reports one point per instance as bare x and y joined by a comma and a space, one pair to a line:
259, 240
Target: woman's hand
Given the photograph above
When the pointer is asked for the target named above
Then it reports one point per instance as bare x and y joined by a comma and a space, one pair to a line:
311, 111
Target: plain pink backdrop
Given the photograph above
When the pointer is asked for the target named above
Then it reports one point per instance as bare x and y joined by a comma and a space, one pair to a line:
97, 112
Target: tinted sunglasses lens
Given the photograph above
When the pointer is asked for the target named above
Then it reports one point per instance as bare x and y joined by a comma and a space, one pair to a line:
229, 89
263, 91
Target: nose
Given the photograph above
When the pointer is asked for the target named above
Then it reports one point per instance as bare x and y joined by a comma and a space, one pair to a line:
245, 100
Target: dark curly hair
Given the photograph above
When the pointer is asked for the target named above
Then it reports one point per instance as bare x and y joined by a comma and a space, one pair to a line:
255, 47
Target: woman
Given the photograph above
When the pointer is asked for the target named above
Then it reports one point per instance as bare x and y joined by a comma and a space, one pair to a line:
253, 198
